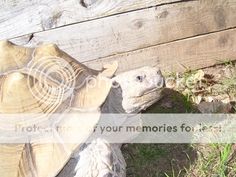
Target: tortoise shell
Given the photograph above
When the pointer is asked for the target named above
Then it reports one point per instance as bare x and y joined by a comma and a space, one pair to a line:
44, 81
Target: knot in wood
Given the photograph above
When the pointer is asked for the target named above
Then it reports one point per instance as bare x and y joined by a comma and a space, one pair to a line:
87, 3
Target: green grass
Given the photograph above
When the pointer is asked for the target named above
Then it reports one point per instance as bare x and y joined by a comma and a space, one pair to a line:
158, 160
187, 104
229, 82
224, 157
213, 159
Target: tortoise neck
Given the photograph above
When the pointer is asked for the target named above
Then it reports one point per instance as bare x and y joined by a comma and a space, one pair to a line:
113, 103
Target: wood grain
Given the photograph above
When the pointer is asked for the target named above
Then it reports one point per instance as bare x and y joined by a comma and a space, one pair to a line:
139, 29
20, 17
192, 53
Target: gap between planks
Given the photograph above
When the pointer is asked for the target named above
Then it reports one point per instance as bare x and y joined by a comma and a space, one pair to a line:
179, 56
24, 17
139, 29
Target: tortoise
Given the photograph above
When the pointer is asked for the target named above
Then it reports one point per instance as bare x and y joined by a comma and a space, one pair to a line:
45, 81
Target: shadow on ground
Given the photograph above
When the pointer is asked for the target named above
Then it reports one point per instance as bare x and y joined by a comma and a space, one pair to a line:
162, 160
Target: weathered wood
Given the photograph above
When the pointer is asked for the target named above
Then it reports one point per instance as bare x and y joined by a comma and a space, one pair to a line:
139, 29
20, 17
192, 53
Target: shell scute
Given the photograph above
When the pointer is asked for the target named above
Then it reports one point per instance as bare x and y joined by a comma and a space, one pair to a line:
13, 57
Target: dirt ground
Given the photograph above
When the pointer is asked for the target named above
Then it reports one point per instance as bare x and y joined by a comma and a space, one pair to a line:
210, 90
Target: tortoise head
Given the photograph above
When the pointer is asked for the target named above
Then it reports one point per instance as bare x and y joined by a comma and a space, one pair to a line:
135, 90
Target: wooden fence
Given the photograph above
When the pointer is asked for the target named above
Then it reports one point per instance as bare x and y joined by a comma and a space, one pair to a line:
174, 35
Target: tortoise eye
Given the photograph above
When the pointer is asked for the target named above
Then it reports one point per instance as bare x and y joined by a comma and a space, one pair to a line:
140, 78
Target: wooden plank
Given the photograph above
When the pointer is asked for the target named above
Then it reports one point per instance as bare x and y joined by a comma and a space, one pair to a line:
20, 17
192, 53
139, 29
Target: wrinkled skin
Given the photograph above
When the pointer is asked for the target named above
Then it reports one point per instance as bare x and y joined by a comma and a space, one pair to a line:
132, 92
140, 88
